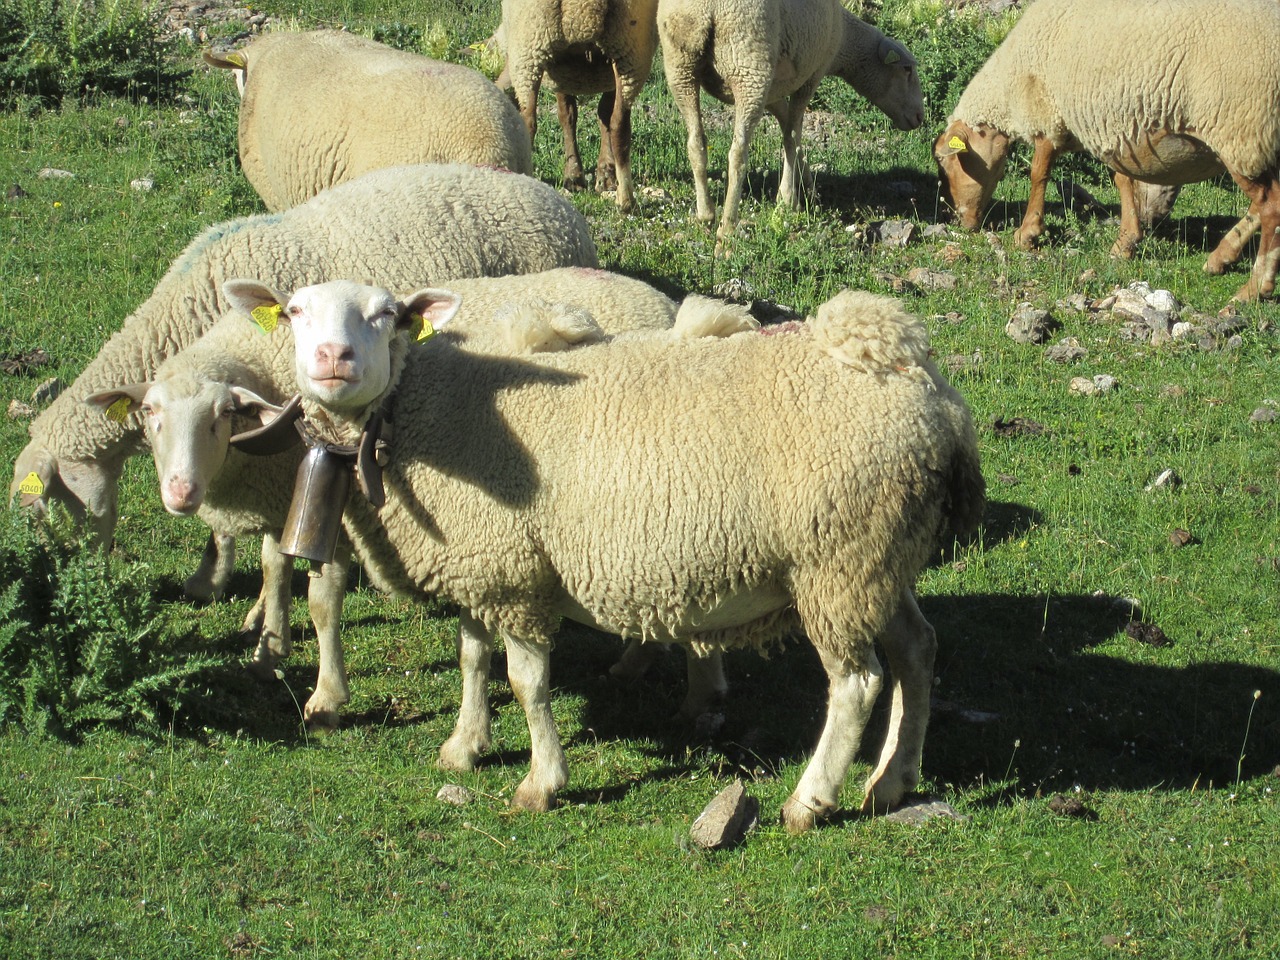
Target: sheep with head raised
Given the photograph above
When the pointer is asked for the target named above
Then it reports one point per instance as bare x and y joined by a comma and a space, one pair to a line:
323, 107
634, 486
234, 375
541, 35
1143, 86
771, 55
400, 224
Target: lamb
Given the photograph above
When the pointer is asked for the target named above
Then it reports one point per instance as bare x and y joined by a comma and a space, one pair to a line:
542, 35
233, 369
635, 487
771, 55
398, 224
1172, 115
324, 107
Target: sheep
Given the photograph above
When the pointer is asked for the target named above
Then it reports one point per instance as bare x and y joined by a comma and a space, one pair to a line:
771, 55
635, 486
398, 224
324, 107
233, 370
1142, 87
570, 77
542, 34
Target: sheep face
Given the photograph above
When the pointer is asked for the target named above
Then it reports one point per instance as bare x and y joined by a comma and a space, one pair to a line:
86, 488
971, 162
342, 333
894, 86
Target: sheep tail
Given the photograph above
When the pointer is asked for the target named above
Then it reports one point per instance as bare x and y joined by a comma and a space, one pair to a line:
964, 492
705, 317
872, 334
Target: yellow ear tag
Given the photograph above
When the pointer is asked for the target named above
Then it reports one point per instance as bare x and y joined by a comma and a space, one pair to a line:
267, 318
118, 411
426, 331
955, 143
31, 485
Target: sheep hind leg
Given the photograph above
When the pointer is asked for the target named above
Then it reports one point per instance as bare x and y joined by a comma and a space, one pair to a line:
620, 142
707, 685
217, 562
272, 610
567, 113
471, 737
851, 693
685, 92
1232, 245
1264, 200
1032, 228
324, 601
795, 183
748, 108
529, 670
910, 645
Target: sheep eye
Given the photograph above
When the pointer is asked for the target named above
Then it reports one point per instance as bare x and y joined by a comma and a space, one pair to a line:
294, 310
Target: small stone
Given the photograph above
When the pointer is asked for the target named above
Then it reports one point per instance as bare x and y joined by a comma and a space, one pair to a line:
1090, 274
1066, 351
20, 411
455, 795
1030, 325
934, 230
1164, 301
951, 253
1181, 538
15, 192
726, 819
1263, 415
1105, 383
931, 279
917, 813
1129, 304
142, 185
51, 173
1166, 478
1082, 386
736, 290
1147, 633
1077, 302
47, 392
1182, 330
1065, 806
895, 233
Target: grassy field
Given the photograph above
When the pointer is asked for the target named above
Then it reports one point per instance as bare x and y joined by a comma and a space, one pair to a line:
224, 829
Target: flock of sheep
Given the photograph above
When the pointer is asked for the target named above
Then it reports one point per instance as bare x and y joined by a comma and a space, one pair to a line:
535, 438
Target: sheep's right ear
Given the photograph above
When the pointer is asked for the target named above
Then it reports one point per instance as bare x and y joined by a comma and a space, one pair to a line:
954, 140
263, 304
118, 403
429, 310
232, 60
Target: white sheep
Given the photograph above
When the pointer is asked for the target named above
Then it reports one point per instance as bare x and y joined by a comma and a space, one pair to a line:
399, 224
201, 395
542, 35
1144, 86
771, 55
324, 107
710, 492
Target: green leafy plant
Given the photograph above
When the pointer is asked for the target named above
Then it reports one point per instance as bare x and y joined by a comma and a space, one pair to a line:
80, 646
54, 50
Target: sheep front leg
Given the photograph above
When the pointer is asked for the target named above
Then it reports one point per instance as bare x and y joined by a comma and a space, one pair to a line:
272, 609
529, 670
324, 600
910, 644
1027, 235
1130, 225
850, 696
1264, 199
217, 562
471, 736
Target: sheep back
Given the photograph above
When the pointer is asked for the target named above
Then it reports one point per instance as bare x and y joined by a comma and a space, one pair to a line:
324, 107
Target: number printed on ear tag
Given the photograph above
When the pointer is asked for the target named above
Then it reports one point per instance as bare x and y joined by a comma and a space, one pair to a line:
118, 412
267, 318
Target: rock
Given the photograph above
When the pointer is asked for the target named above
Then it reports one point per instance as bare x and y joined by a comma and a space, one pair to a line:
935, 230
1147, 633
455, 795
47, 392
1066, 351
1182, 538
1065, 806
916, 813
1077, 302
1263, 415
142, 185
951, 253
736, 290
1086, 387
895, 233
1182, 330
50, 173
1105, 383
20, 411
726, 819
1030, 325
15, 192
931, 279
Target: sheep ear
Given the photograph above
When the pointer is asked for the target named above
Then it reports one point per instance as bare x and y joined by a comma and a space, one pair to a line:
889, 53
250, 404
233, 60
263, 304
954, 140
118, 403
428, 310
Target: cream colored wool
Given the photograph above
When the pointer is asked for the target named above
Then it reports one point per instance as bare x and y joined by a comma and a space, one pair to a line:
397, 225
324, 107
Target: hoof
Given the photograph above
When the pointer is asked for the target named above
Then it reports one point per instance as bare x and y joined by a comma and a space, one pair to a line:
459, 757
801, 818
262, 669
321, 721
532, 799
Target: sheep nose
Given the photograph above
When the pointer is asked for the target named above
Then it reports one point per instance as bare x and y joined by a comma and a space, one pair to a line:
335, 353
180, 495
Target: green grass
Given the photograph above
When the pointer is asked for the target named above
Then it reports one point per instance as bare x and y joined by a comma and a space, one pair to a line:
233, 833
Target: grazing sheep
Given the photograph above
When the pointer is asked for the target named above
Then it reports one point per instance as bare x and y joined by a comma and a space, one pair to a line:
634, 486
771, 55
201, 395
399, 224
324, 107
542, 34
1141, 85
